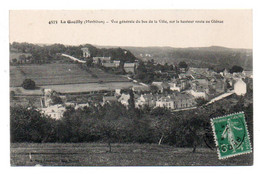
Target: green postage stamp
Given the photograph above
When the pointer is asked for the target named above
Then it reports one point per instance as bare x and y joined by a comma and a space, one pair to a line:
231, 135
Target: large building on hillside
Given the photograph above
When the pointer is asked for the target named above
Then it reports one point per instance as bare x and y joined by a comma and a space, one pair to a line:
176, 101
86, 52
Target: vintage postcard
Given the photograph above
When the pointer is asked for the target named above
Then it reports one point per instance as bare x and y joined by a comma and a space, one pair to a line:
131, 87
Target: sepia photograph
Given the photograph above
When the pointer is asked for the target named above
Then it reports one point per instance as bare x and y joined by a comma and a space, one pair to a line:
131, 87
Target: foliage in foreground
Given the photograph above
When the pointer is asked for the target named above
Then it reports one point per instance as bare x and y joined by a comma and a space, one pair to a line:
113, 123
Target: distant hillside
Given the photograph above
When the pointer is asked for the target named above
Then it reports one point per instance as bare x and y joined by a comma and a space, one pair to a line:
214, 56
47, 53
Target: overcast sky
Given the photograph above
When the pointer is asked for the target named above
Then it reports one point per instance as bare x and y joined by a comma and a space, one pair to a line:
235, 32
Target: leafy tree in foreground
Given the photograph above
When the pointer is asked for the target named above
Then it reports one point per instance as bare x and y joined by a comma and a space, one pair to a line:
28, 125
111, 124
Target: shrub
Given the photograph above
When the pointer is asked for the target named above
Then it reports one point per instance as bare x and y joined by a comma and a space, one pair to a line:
28, 84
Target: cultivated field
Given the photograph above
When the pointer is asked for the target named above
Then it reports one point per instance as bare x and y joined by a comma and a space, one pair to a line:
95, 154
58, 74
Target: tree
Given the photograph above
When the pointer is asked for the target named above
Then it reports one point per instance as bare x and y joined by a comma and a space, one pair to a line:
236, 69
28, 125
89, 62
22, 58
14, 60
154, 89
196, 131
56, 100
183, 64
66, 125
162, 126
99, 63
28, 84
141, 67
131, 100
200, 101
111, 122
12, 95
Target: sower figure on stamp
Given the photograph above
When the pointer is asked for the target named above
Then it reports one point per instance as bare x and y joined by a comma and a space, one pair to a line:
228, 133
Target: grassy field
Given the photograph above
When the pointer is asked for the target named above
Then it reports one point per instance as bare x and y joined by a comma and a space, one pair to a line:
95, 154
76, 88
58, 74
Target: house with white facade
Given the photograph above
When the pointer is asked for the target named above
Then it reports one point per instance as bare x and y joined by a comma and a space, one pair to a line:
174, 87
145, 99
166, 102
54, 111
124, 98
240, 87
176, 101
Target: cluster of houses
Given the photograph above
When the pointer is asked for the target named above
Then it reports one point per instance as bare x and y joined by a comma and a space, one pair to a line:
173, 101
182, 92
209, 84
109, 63
175, 94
